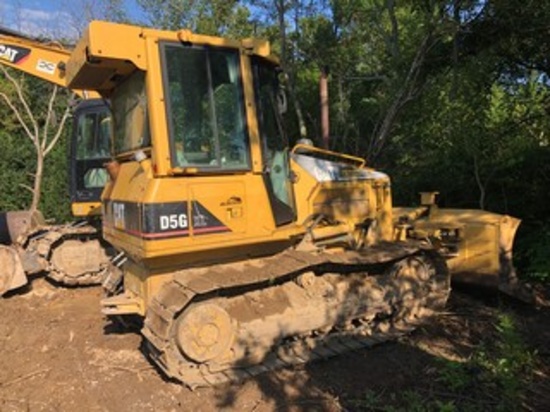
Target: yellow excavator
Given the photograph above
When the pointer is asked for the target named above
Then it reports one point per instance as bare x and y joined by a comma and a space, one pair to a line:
71, 253
242, 253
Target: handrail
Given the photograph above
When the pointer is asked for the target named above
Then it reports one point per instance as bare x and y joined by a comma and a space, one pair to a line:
304, 148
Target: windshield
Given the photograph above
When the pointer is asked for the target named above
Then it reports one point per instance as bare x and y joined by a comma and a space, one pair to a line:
129, 109
205, 107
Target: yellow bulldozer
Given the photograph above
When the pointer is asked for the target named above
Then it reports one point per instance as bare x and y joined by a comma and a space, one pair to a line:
242, 253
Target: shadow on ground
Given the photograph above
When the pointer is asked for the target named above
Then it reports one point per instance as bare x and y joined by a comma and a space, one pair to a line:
418, 370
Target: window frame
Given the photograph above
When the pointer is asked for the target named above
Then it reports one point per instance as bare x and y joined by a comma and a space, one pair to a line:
205, 169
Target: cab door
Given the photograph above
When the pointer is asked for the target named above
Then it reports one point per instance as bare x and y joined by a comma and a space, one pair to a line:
275, 157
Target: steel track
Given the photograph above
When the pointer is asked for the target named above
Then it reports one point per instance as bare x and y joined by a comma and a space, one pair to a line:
384, 321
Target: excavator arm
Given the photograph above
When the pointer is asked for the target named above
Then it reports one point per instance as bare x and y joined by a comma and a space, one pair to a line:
47, 61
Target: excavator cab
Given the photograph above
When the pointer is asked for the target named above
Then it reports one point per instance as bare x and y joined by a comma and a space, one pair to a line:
89, 151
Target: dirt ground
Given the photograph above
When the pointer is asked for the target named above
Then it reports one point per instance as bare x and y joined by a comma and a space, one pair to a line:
58, 353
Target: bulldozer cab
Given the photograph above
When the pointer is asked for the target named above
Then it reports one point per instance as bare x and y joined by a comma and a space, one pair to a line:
204, 159
198, 107
207, 119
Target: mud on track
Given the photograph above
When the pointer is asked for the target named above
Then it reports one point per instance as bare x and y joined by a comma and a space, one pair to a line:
58, 353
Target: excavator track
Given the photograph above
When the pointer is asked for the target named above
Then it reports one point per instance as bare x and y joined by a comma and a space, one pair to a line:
230, 322
69, 254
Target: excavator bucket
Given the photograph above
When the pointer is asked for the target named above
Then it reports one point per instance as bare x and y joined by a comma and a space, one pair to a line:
477, 244
15, 224
12, 226
12, 275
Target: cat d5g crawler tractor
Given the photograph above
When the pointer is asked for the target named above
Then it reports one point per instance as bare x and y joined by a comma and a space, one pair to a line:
242, 254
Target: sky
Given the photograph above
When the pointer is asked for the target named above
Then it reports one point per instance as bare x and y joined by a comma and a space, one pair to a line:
50, 18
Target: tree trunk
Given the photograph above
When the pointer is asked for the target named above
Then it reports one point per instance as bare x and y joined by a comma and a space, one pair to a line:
408, 91
281, 11
324, 107
37, 185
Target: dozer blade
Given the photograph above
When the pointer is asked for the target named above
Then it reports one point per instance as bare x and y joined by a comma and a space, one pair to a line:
484, 252
478, 245
12, 275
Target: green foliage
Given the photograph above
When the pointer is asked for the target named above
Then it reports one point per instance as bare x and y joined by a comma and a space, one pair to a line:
533, 253
455, 376
506, 363
500, 368
406, 401
18, 156
55, 202
215, 17
16, 161
371, 400
494, 378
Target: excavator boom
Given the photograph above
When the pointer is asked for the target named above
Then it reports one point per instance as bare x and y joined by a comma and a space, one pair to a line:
47, 61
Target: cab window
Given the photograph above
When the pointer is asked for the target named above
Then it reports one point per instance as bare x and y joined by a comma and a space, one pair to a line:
205, 108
